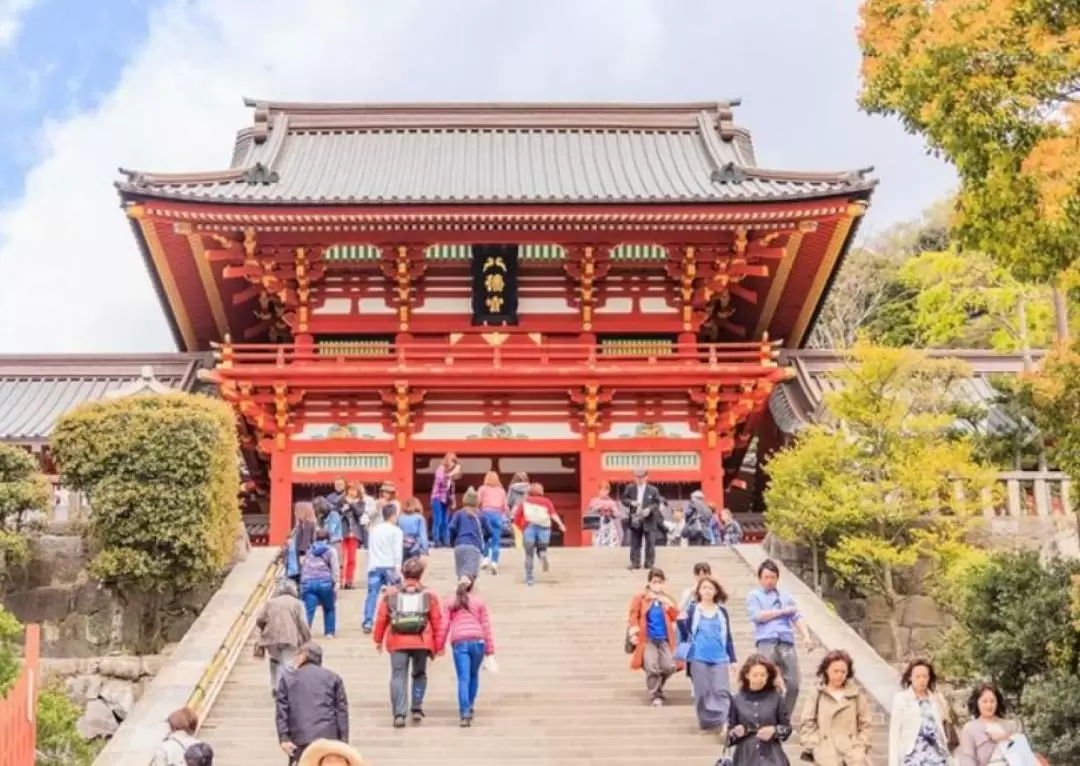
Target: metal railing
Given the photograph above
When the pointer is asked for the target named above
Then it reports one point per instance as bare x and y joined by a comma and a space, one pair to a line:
212, 679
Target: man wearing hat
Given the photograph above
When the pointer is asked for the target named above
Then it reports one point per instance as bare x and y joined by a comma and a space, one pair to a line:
328, 752
310, 704
646, 521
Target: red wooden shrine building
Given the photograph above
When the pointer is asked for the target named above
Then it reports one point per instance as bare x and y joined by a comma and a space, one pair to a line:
573, 290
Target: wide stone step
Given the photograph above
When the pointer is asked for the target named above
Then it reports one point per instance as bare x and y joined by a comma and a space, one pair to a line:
564, 692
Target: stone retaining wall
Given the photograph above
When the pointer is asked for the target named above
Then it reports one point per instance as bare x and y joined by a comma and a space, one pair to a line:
106, 688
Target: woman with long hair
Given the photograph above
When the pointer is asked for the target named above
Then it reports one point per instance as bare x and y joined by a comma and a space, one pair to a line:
836, 725
982, 743
467, 536
609, 532
466, 626
759, 722
710, 651
353, 505
492, 502
301, 539
515, 494
920, 723
442, 491
413, 529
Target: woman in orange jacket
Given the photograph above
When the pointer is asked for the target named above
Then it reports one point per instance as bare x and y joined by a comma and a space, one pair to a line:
651, 633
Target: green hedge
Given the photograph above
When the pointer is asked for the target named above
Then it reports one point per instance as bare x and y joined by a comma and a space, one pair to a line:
162, 478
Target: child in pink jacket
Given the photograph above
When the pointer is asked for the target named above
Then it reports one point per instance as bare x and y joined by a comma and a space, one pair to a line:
466, 625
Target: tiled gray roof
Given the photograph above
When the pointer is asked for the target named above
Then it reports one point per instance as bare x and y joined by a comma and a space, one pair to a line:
36, 390
800, 401
454, 153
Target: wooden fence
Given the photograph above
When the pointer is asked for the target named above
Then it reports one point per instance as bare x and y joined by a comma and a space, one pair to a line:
17, 710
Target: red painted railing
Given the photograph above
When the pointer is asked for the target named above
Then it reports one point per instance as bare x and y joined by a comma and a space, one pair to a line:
287, 355
18, 709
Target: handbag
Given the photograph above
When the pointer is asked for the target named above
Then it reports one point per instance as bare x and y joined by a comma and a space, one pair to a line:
807, 756
951, 727
682, 651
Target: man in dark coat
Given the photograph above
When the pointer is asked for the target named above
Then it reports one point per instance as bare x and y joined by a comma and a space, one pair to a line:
646, 520
310, 704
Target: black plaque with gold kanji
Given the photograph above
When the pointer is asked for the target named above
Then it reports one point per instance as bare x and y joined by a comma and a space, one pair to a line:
495, 284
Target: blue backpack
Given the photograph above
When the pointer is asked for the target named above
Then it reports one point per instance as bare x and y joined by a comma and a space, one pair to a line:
316, 568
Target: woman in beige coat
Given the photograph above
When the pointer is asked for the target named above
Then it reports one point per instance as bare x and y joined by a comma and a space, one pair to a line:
283, 628
836, 722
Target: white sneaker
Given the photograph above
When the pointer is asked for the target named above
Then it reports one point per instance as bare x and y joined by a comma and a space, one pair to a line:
485, 564
494, 568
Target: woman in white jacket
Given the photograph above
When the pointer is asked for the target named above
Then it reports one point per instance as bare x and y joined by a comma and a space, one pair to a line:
919, 721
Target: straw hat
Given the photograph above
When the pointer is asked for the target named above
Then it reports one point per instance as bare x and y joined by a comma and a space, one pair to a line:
321, 748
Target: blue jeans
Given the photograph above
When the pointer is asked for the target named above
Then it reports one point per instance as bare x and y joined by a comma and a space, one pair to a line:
376, 579
493, 525
321, 593
536, 540
440, 523
468, 657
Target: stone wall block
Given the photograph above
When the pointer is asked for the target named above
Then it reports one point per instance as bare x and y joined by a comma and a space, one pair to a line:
119, 695
126, 668
97, 721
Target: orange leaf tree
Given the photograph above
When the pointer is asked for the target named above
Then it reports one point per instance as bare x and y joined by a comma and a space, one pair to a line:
992, 86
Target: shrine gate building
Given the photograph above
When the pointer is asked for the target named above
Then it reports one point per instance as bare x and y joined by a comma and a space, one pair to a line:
576, 290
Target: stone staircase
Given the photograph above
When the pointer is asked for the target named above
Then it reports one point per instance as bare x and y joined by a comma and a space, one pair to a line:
564, 692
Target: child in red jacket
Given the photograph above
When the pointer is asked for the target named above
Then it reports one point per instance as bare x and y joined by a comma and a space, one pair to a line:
534, 515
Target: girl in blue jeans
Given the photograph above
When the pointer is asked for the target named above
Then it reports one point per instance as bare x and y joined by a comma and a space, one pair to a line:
466, 625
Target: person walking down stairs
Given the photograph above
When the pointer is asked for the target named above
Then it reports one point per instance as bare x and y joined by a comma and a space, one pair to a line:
310, 705
534, 516
407, 623
466, 626
386, 554
651, 635
467, 536
759, 723
283, 628
706, 644
319, 573
776, 620
836, 726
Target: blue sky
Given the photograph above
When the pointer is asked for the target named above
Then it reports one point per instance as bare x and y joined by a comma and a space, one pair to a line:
157, 85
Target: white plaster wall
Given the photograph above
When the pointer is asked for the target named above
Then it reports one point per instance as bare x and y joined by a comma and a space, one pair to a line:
473, 429
656, 305
675, 429
371, 306
444, 306
545, 306
616, 305
528, 463
333, 307
320, 432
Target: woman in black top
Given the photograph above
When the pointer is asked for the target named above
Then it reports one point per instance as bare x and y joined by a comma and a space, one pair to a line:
758, 721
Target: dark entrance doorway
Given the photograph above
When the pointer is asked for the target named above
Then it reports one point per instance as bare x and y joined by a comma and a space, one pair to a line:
558, 474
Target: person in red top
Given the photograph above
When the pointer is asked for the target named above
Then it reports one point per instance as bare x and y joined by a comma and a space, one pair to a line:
466, 625
534, 515
408, 621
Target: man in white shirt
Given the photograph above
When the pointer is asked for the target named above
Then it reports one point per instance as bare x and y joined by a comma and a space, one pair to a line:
385, 552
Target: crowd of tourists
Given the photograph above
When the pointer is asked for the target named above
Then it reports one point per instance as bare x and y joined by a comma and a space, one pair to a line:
750, 706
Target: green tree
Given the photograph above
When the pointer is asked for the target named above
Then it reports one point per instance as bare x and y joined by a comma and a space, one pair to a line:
993, 86
10, 635
162, 478
23, 488
810, 498
911, 481
58, 741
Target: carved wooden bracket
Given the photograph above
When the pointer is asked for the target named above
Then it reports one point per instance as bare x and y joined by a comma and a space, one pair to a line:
587, 265
591, 399
401, 401
269, 413
403, 265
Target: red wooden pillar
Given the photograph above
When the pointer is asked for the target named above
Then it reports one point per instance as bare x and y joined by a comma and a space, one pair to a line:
589, 476
280, 496
712, 474
402, 473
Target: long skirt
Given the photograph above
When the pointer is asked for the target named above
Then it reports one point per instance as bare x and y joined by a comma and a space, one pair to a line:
467, 560
712, 695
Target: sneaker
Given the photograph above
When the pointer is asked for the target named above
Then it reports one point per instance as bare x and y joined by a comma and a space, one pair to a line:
329, 637
399, 722
417, 716
545, 565
367, 627
485, 564
465, 722
530, 581
494, 568
657, 702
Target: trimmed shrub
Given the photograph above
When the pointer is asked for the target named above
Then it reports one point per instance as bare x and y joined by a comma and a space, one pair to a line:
22, 488
162, 478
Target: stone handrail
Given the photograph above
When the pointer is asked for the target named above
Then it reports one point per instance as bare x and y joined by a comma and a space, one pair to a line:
196, 669
876, 676
1034, 493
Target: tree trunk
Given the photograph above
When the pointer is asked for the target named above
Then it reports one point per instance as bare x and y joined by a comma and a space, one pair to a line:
817, 569
1022, 326
1061, 315
891, 601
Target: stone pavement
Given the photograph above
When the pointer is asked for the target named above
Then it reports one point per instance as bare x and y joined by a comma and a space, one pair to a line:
564, 693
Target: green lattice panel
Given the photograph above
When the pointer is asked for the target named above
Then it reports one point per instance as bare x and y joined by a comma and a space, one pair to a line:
542, 253
351, 253
525, 253
353, 347
652, 461
319, 463
638, 253
636, 347
448, 252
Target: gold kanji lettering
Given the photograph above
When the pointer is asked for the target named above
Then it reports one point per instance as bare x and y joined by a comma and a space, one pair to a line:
494, 304
495, 262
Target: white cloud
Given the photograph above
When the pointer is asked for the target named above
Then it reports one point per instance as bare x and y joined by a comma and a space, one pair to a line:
11, 12
71, 278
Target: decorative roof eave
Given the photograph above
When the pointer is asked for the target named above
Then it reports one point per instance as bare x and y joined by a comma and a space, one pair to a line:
505, 217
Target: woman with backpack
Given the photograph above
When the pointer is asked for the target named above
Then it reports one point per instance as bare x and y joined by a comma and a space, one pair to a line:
466, 625
413, 529
319, 573
534, 516
407, 623
467, 536
183, 724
